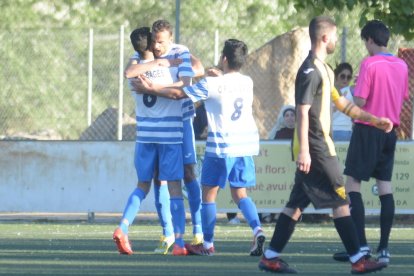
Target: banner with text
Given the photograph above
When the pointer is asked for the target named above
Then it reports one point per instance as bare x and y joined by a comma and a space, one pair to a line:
275, 175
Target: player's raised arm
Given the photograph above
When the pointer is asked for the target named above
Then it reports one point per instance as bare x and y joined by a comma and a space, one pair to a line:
136, 69
197, 66
353, 111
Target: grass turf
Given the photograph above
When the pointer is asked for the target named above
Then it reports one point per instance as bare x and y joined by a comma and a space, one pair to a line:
80, 248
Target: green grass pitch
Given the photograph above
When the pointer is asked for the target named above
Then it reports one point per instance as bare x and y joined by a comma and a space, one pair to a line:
81, 248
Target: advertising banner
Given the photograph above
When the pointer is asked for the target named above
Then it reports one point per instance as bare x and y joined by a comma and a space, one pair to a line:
275, 174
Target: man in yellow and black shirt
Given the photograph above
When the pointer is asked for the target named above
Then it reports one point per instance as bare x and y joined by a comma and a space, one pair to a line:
318, 178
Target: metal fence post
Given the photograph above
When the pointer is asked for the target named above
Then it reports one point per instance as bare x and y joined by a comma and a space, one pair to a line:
216, 47
90, 64
343, 44
121, 82
177, 20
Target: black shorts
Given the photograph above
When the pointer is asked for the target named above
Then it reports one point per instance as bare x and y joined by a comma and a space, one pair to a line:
318, 186
370, 153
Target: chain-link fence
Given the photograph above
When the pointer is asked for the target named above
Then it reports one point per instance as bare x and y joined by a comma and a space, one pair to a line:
45, 78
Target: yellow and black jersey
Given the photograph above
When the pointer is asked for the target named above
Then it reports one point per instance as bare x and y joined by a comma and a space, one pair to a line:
314, 86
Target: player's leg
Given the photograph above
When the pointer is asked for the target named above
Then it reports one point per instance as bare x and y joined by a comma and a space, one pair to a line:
144, 168
172, 171
249, 211
194, 201
285, 226
133, 205
120, 235
383, 174
208, 216
353, 188
386, 218
213, 176
190, 180
347, 232
331, 193
242, 175
178, 216
162, 205
362, 158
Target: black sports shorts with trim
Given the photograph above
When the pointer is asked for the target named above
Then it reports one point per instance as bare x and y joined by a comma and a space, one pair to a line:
318, 186
371, 153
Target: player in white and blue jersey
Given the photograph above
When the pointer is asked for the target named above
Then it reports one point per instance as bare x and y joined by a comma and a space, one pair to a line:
158, 147
232, 141
161, 194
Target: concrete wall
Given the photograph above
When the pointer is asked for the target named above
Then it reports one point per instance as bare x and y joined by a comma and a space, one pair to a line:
80, 177
56, 176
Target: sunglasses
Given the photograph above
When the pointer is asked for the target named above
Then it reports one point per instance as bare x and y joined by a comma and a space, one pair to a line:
345, 77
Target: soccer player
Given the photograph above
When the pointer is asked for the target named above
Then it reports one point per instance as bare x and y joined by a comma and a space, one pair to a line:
381, 89
232, 141
143, 57
318, 178
159, 141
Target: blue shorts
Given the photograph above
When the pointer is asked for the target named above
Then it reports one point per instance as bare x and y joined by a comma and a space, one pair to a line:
239, 171
167, 157
189, 152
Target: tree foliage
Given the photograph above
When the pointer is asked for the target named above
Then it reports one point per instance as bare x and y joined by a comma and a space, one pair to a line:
397, 14
45, 45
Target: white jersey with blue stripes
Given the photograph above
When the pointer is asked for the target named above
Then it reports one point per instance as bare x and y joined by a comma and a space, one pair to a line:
232, 130
184, 69
159, 120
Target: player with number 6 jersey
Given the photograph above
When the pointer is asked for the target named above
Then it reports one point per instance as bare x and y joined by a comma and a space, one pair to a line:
159, 120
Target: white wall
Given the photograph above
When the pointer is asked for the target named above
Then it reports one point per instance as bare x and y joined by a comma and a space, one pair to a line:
69, 176
78, 176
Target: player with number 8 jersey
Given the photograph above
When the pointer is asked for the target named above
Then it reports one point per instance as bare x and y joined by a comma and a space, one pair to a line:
228, 101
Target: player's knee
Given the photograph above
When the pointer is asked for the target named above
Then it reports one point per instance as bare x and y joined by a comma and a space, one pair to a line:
144, 186
293, 213
189, 173
174, 188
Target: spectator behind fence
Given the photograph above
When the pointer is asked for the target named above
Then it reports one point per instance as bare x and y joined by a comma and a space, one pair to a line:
285, 124
342, 124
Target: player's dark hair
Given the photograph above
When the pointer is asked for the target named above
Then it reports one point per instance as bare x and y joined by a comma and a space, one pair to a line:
318, 27
377, 31
162, 25
141, 39
341, 67
235, 52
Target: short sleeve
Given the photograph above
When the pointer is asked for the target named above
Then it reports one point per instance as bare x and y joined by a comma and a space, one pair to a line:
198, 91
